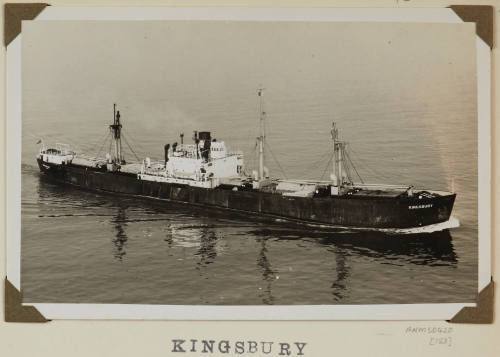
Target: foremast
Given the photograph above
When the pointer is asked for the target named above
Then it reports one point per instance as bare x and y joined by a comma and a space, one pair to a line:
262, 136
261, 177
116, 129
340, 174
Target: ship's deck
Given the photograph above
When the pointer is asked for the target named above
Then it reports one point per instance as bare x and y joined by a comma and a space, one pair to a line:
363, 190
377, 193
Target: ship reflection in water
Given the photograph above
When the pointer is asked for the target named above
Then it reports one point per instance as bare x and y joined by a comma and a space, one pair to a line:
268, 274
160, 252
120, 240
431, 249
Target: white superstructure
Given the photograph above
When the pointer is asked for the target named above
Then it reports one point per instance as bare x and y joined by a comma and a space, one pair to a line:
202, 164
61, 155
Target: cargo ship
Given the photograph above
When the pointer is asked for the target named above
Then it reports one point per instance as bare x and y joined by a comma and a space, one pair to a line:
204, 173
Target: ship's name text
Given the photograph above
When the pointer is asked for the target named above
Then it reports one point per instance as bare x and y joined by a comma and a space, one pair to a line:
429, 205
239, 347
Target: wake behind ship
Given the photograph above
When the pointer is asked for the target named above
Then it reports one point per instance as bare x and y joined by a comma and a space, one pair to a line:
205, 173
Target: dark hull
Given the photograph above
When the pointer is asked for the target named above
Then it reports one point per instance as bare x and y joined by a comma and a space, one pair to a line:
345, 211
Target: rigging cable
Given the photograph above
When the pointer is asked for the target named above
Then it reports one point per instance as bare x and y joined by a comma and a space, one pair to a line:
110, 145
251, 132
254, 158
103, 137
352, 164
346, 166
135, 143
103, 143
367, 167
133, 152
326, 168
318, 161
254, 153
276, 160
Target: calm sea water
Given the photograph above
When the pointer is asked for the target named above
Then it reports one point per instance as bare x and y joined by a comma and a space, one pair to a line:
87, 247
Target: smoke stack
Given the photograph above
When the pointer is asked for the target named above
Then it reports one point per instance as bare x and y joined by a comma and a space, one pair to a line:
167, 147
205, 135
206, 150
197, 142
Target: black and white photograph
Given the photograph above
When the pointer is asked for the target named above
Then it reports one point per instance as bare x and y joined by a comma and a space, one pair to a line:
249, 163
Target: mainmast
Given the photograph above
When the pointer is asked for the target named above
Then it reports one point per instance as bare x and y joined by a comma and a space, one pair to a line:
262, 136
342, 164
337, 175
116, 129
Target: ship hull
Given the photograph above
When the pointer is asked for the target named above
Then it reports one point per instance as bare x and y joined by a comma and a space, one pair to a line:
344, 211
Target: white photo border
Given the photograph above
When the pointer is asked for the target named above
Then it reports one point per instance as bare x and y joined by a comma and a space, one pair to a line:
442, 311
